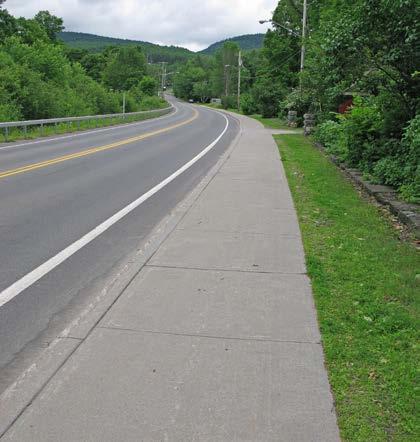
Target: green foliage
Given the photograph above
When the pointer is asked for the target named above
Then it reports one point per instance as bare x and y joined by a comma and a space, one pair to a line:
50, 23
267, 95
361, 134
148, 86
358, 138
330, 134
401, 166
201, 91
297, 100
368, 47
188, 77
154, 102
229, 102
248, 105
134, 62
40, 78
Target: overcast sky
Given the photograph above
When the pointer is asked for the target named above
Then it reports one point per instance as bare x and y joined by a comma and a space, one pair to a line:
194, 24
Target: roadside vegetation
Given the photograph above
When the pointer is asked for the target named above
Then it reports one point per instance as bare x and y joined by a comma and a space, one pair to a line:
18, 133
366, 286
41, 78
361, 81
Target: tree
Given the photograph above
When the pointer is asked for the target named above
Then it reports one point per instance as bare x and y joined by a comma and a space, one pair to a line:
50, 23
7, 24
125, 68
148, 86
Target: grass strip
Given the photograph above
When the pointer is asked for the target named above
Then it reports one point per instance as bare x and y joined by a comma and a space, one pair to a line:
17, 133
366, 288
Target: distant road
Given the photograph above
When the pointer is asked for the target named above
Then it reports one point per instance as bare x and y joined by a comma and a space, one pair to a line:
61, 200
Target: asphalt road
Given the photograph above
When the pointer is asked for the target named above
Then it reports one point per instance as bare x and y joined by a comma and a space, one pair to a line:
55, 191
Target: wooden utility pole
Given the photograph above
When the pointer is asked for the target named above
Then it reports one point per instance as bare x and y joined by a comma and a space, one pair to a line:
304, 19
239, 79
226, 79
163, 77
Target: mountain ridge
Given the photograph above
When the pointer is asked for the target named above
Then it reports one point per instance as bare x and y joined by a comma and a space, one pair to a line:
245, 42
155, 52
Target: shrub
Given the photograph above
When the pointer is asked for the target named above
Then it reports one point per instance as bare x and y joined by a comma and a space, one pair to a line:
154, 102
361, 133
330, 135
229, 102
248, 105
297, 101
148, 86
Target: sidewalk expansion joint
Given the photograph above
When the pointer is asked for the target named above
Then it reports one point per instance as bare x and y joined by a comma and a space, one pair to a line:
224, 270
198, 335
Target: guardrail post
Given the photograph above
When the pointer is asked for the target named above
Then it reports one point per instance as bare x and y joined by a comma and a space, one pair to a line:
41, 129
25, 131
6, 133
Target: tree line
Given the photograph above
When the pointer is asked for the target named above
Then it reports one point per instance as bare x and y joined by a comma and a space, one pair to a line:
42, 78
361, 81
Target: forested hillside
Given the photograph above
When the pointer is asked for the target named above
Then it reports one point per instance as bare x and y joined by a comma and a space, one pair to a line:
41, 78
245, 42
96, 43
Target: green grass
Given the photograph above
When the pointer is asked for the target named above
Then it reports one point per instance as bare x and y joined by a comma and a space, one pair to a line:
366, 293
273, 123
18, 133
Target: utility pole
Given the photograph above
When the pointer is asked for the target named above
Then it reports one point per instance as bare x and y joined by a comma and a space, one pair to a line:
304, 19
239, 79
226, 80
163, 77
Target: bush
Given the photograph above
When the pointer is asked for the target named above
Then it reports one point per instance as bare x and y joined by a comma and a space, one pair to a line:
330, 135
148, 86
229, 102
297, 101
361, 134
267, 95
155, 102
401, 166
248, 105
357, 138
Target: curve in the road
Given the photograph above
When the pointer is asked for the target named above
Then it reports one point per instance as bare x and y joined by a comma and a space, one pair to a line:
94, 150
36, 274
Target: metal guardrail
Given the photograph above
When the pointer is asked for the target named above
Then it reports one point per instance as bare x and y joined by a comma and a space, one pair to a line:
25, 124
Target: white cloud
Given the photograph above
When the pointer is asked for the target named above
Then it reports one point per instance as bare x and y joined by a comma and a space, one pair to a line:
190, 23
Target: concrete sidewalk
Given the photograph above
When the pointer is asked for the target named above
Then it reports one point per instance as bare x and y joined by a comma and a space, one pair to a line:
216, 338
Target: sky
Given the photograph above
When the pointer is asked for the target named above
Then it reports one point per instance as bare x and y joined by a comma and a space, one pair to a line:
194, 24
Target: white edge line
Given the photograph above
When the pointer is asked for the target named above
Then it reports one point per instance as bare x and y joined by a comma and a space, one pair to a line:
93, 131
30, 278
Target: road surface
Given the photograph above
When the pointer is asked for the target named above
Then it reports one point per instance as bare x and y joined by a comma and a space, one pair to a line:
56, 194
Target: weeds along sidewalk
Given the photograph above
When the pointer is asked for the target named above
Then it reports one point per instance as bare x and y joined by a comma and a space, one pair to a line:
215, 339
366, 287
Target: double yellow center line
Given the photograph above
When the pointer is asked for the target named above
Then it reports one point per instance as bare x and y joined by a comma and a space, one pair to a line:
93, 150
